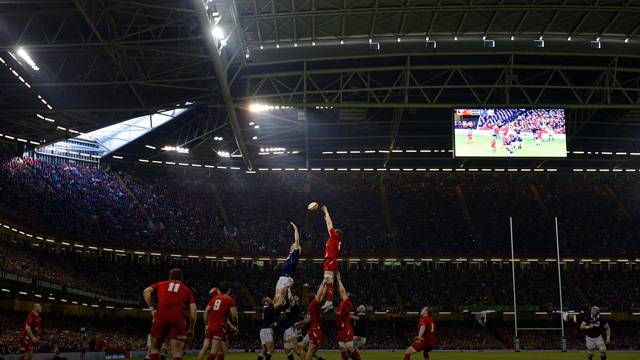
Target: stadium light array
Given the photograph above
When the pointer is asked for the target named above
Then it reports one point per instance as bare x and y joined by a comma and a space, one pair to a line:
224, 154
23, 54
260, 107
177, 149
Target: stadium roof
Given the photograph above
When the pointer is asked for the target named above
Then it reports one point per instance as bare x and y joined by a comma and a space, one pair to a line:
339, 75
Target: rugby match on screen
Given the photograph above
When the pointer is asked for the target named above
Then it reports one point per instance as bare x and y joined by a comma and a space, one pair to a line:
510, 133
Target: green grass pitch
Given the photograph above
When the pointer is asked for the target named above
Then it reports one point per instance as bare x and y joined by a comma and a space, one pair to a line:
279, 355
482, 147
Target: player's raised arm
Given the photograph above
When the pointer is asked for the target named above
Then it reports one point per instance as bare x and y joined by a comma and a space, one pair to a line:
322, 292
296, 245
327, 218
280, 299
353, 317
290, 297
341, 290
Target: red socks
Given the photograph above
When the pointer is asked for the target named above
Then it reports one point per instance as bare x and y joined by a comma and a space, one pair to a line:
211, 357
330, 291
154, 356
344, 355
407, 356
355, 355
220, 356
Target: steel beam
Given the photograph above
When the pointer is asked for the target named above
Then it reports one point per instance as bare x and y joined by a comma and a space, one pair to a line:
222, 79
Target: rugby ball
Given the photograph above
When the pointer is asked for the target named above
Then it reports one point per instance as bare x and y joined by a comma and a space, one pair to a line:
313, 206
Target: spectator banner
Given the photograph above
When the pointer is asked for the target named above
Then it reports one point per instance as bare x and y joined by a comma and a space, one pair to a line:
16, 278
27, 280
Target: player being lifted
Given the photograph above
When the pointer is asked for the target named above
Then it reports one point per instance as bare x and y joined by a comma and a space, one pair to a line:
426, 339
217, 315
331, 251
592, 325
316, 337
268, 317
169, 318
288, 270
29, 334
290, 339
345, 331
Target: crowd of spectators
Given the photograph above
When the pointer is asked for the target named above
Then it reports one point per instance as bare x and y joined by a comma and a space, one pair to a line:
535, 287
62, 332
612, 289
79, 201
356, 208
589, 220
183, 210
438, 288
260, 212
426, 215
525, 120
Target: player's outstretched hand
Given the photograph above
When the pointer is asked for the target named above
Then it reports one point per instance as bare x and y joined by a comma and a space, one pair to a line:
236, 331
294, 226
324, 208
190, 334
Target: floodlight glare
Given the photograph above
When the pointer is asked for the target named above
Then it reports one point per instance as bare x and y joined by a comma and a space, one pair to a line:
23, 54
217, 33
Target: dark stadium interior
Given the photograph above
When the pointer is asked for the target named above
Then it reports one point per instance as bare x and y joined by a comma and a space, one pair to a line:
231, 116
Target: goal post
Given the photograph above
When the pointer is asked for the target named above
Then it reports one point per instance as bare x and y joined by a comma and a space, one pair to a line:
516, 340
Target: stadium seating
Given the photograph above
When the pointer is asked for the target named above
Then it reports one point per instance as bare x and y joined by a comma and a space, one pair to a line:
176, 211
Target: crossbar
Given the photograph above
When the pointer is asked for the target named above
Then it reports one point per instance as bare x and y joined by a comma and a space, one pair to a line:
539, 328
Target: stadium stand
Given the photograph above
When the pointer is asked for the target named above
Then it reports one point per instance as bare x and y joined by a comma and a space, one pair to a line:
427, 215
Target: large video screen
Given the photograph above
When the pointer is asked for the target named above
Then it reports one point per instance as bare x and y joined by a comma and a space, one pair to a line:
530, 133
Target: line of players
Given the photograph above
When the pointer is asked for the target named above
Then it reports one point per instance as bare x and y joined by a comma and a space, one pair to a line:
221, 314
511, 139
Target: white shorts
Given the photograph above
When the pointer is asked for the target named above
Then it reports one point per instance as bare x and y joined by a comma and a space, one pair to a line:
593, 343
348, 344
290, 333
266, 335
359, 341
305, 341
283, 281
